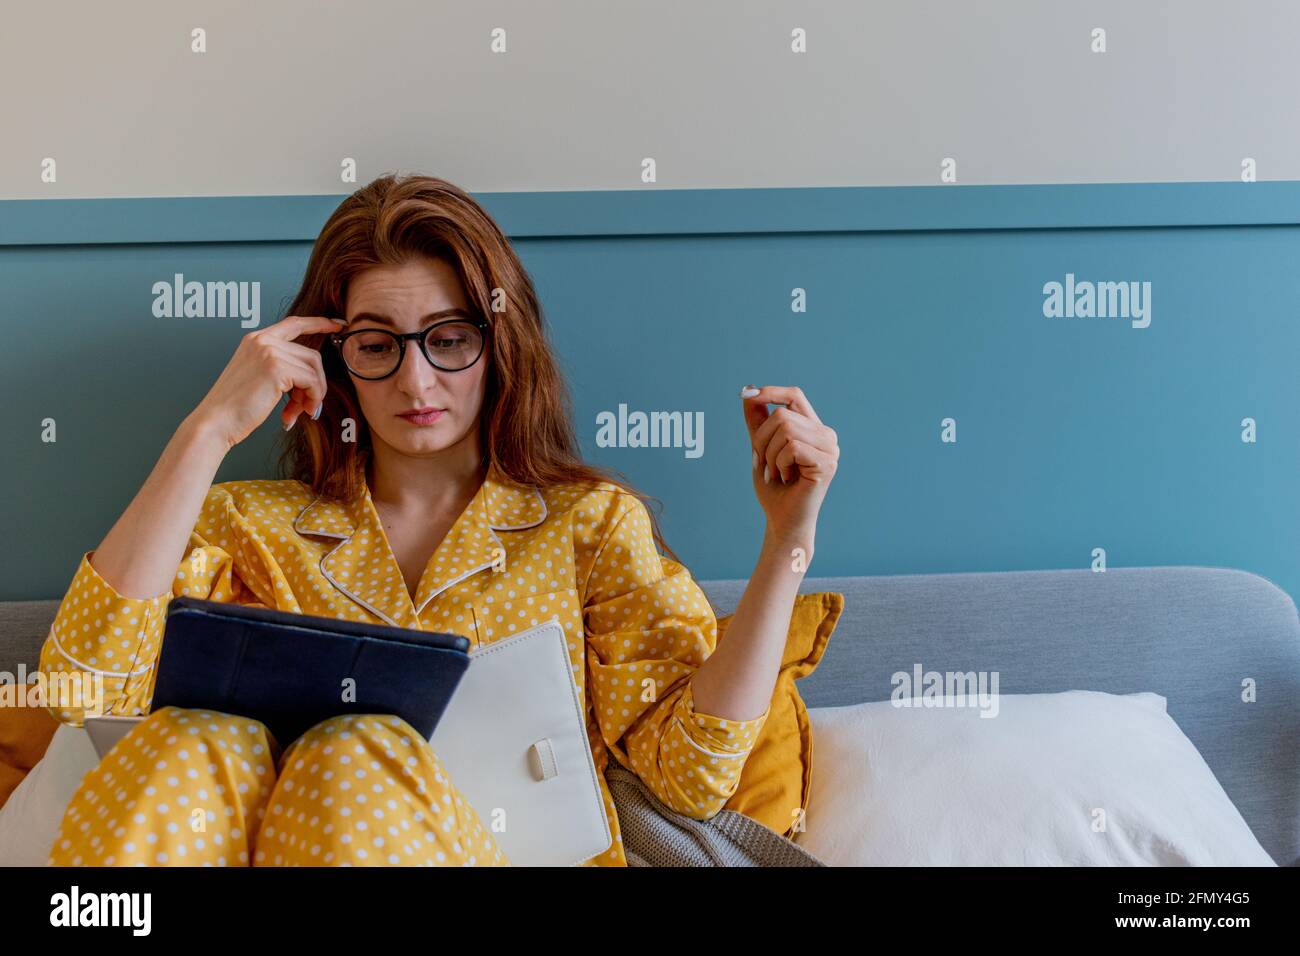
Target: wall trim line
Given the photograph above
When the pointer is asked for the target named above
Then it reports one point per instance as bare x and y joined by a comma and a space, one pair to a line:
655, 211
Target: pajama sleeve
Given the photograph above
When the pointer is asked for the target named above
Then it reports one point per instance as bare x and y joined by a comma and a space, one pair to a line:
649, 628
99, 656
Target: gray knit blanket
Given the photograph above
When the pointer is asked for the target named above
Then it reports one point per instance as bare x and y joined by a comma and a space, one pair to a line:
654, 835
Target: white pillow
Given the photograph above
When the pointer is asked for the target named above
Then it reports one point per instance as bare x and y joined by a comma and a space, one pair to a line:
944, 786
30, 818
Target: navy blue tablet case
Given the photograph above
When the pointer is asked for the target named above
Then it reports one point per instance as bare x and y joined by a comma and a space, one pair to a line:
289, 670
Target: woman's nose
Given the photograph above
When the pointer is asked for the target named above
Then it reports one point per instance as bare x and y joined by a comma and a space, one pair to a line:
415, 368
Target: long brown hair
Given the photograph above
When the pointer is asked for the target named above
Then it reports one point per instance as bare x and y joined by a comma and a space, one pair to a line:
526, 425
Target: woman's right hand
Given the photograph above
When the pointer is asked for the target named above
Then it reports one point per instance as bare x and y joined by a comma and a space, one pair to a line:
267, 364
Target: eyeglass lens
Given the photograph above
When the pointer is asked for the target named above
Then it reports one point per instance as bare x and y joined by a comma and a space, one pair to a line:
452, 346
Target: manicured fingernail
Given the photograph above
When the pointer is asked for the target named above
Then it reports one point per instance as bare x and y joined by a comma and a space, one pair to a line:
766, 478
316, 414
749, 391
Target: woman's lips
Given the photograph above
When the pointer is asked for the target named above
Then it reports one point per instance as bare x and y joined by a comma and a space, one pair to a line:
422, 418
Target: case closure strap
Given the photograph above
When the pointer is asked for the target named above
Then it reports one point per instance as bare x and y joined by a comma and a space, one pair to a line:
541, 760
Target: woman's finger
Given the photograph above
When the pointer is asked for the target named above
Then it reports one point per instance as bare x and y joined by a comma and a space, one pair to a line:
786, 419
294, 326
293, 407
781, 441
314, 361
784, 466
799, 459
789, 395
305, 393
782, 425
316, 384
771, 453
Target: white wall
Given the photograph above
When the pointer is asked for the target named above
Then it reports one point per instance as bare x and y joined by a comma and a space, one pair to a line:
587, 89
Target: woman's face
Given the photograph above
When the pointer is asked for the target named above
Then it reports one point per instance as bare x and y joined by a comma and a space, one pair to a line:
406, 296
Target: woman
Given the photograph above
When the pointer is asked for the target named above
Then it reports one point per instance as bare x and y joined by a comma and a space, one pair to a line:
436, 487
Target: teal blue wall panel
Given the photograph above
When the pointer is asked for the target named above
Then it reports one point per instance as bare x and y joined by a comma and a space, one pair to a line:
923, 303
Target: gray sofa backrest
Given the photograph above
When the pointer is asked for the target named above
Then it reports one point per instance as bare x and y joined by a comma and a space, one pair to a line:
1190, 634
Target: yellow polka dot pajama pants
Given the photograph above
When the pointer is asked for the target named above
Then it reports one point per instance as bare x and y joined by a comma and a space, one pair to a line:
201, 788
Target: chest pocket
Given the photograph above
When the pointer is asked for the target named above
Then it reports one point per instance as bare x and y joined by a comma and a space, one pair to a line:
504, 616
460, 619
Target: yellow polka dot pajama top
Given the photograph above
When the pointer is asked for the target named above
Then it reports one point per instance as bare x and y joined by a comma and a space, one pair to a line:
189, 787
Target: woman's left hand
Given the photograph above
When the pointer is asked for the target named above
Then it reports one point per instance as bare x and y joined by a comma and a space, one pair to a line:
800, 455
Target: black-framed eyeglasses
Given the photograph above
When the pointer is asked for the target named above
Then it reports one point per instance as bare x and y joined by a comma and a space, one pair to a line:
451, 345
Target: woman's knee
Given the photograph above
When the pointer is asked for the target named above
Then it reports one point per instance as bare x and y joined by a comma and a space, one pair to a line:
182, 784
362, 724
357, 734
363, 751
368, 788
240, 742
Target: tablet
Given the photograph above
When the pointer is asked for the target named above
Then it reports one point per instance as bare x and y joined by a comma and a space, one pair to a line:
291, 671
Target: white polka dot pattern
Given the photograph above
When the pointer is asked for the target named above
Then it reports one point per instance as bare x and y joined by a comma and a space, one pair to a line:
649, 627
97, 629
199, 788
638, 625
